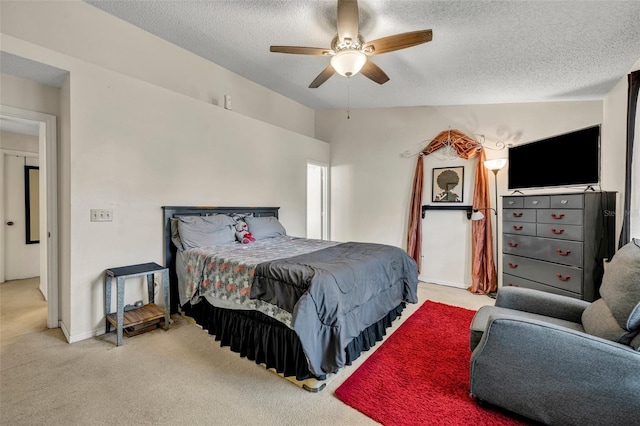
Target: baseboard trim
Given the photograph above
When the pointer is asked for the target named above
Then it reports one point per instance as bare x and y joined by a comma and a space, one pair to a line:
83, 336
440, 282
64, 331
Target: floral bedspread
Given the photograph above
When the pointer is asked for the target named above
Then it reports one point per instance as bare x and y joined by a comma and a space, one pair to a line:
225, 272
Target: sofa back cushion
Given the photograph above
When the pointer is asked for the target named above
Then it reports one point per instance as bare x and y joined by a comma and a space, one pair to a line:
620, 287
597, 320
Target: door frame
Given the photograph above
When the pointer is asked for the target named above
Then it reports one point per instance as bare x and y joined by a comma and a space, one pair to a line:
47, 147
326, 231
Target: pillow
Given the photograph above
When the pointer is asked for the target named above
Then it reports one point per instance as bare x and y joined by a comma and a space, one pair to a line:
175, 235
240, 216
597, 320
621, 286
203, 231
265, 227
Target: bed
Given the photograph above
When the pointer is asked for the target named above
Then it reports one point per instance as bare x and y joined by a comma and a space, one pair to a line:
302, 307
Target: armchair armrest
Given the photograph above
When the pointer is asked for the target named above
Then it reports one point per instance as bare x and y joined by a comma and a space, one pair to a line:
555, 375
541, 303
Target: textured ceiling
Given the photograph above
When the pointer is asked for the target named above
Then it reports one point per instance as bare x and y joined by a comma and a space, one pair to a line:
482, 51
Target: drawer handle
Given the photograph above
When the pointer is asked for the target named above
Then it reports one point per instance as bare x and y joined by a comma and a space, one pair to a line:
535, 202
565, 278
513, 265
557, 216
517, 214
564, 201
511, 202
512, 244
517, 228
557, 231
563, 253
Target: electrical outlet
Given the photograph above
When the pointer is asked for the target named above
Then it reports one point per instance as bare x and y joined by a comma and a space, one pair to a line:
101, 215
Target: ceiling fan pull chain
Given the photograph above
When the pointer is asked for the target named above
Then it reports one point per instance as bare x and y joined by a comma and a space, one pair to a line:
348, 99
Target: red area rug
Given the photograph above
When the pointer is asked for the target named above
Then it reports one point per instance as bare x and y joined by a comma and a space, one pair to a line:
420, 374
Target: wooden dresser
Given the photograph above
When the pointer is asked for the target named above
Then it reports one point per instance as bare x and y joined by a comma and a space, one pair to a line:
558, 242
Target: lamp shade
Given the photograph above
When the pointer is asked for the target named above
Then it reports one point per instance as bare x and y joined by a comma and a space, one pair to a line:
495, 164
348, 62
477, 215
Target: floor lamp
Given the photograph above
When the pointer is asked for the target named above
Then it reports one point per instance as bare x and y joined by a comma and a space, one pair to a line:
494, 166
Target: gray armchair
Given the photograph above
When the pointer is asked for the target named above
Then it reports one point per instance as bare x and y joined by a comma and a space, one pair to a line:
559, 360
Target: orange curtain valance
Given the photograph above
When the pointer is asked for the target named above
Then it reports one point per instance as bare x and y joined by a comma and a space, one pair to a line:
483, 272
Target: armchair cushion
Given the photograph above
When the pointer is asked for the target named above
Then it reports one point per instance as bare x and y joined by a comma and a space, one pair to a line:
635, 343
620, 287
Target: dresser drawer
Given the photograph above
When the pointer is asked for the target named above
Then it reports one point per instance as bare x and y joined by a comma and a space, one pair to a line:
563, 216
541, 202
511, 280
519, 215
573, 201
512, 202
519, 228
563, 232
560, 276
549, 249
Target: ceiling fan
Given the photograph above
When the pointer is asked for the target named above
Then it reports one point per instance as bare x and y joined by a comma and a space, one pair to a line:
349, 52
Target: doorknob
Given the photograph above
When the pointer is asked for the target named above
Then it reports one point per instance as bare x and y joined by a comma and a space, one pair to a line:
10, 223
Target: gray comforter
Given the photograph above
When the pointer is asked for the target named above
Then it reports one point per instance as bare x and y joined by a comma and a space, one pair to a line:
335, 293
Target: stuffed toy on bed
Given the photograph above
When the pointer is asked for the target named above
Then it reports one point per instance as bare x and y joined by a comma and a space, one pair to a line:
242, 233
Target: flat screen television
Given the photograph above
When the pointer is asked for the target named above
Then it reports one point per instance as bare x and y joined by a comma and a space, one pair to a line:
569, 159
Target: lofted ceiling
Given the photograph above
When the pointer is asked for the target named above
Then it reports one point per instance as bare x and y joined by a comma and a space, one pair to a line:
483, 51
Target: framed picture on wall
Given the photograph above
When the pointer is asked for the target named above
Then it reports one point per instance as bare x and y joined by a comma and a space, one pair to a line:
447, 185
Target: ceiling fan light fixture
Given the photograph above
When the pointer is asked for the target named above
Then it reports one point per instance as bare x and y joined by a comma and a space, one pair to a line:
348, 62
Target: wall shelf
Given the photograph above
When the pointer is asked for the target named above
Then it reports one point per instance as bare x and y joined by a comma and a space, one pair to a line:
466, 208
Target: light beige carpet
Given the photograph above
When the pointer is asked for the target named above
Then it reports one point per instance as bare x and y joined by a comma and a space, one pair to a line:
176, 377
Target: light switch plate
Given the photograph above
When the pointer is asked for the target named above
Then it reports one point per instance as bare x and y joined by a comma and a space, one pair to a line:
101, 215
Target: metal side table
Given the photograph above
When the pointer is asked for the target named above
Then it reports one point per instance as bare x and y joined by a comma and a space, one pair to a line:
146, 313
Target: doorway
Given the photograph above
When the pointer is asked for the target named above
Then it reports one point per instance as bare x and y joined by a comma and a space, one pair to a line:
21, 255
48, 217
317, 205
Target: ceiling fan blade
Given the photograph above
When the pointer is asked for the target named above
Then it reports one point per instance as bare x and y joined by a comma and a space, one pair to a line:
322, 77
299, 50
374, 72
348, 20
397, 42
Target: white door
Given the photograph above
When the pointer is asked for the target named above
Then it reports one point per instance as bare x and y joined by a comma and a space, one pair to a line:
22, 260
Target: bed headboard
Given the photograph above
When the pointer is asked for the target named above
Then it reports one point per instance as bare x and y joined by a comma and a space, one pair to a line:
170, 249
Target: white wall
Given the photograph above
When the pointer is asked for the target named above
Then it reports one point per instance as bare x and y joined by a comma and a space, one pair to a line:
64, 205
80, 30
133, 146
372, 182
27, 94
18, 142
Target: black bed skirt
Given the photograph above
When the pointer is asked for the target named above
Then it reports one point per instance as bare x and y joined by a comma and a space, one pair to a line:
266, 341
